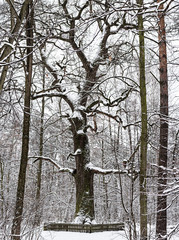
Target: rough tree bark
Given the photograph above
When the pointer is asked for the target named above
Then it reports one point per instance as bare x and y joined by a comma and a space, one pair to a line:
161, 224
16, 226
83, 176
143, 150
84, 181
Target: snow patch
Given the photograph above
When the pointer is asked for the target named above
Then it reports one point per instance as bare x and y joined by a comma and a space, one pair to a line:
101, 170
89, 165
81, 108
80, 132
81, 219
77, 152
77, 114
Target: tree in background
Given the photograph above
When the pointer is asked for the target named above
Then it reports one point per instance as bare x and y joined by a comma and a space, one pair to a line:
143, 140
16, 226
7, 50
161, 225
41, 150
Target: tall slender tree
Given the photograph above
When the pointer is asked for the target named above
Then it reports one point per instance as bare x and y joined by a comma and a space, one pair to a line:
161, 225
16, 226
143, 150
41, 147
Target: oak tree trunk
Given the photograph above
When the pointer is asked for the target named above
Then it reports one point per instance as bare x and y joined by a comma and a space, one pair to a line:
83, 177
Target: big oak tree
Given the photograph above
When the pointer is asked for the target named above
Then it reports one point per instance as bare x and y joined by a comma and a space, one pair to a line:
108, 24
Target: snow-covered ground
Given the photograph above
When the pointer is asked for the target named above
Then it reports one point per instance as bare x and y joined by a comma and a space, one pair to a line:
50, 235
118, 235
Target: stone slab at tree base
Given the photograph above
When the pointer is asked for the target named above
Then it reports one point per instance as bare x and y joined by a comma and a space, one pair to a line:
86, 228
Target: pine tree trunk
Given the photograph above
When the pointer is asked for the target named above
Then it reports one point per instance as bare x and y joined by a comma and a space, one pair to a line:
16, 226
143, 151
161, 224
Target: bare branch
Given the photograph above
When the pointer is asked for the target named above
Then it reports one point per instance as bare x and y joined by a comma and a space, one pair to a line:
115, 117
61, 169
13, 9
61, 95
8, 49
81, 10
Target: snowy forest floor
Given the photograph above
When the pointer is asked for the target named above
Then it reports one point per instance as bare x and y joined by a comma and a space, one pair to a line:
118, 235
83, 236
39, 234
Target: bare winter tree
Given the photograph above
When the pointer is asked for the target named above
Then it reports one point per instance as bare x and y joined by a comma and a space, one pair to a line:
106, 25
92, 54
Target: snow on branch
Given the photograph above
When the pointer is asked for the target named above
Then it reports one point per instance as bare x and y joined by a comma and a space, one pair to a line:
61, 169
77, 152
173, 231
102, 171
130, 171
